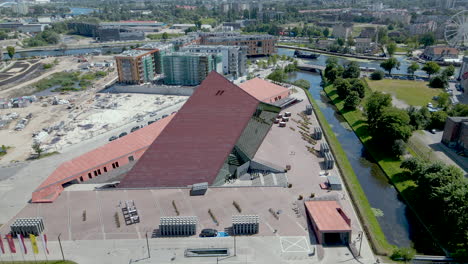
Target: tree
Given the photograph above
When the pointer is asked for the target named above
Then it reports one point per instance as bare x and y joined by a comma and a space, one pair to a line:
351, 41
333, 72
391, 48
405, 254
439, 81
390, 64
198, 24
412, 68
398, 148
340, 42
326, 32
358, 86
449, 71
37, 149
427, 39
382, 34
374, 106
343, 87
419, 118
165, 36
277, 75
393, 124
377, 75
459, 110
331, 61
431, 68
11, 51
443, 100
351, 70
438, 119
352, 100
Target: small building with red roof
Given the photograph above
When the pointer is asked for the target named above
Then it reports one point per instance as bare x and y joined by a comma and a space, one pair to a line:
330, 223
264, 90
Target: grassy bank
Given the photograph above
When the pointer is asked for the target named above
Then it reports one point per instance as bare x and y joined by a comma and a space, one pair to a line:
369, 221
69, 81
411, 92
390, 165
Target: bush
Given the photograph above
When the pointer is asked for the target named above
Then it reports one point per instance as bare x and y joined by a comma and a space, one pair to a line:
377, 75
405, 254
302, 83
47, 66
439, 81
398, 148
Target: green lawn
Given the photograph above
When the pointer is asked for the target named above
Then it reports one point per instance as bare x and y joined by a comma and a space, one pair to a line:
368, 219
158, 36
412, 92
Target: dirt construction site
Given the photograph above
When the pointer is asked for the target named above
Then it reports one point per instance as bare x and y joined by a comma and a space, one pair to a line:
59, 120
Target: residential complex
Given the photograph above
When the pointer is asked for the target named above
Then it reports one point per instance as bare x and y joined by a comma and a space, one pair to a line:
161, 50
186, 68
257, 45
234, 58
136, 66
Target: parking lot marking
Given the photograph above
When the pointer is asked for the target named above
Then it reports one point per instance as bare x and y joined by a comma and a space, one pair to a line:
294, 244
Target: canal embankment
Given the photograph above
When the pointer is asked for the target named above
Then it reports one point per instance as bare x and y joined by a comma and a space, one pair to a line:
371, 226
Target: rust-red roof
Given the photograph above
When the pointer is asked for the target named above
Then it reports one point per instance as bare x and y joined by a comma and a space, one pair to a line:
327, 216
194, 145
262, 89
137, 140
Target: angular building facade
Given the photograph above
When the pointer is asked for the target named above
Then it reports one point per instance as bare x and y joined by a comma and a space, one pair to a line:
160, 49
184, 68
136, 66
218, 130
234, 58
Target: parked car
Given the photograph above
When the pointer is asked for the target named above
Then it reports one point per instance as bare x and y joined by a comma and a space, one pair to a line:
164, 116
134, 129
113, 138
208, 232
122, 134
151, 122
433, 131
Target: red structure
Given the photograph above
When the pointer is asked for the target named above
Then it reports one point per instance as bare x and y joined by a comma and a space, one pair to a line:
194, 146
179, 150
264, 90
330, 223
101, 160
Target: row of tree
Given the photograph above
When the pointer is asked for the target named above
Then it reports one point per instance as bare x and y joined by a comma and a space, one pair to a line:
441, 194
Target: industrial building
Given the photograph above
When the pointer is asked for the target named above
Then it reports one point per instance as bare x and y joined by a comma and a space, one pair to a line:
102, 32
136, 66
186, 68
143, 26
257, 45
456, 133
234, 58
330, 223
229, 123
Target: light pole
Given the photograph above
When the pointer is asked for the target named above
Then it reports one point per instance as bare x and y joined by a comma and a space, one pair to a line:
61, 249
147, 245
361, 235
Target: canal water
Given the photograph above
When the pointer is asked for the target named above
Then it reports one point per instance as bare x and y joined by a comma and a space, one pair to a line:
381, 194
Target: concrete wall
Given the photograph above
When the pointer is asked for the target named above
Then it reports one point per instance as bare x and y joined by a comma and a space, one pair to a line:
151, 89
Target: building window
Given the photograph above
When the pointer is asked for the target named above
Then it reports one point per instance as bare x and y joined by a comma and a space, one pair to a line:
105, 169
81, 178
131, 159
95, 173
113, 165
117, 164
89, 175
99, 171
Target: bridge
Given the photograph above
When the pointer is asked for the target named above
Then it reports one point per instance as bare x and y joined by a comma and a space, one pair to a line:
310, 67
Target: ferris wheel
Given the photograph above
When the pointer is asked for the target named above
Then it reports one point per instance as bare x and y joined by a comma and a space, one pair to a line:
456, 30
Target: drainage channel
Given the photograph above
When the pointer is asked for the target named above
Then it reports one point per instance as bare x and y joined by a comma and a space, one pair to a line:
207, 252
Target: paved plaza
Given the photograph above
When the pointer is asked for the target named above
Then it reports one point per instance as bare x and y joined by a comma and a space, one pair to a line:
92, 221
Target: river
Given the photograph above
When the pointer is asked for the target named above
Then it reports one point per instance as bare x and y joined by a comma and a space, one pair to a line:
379, 192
